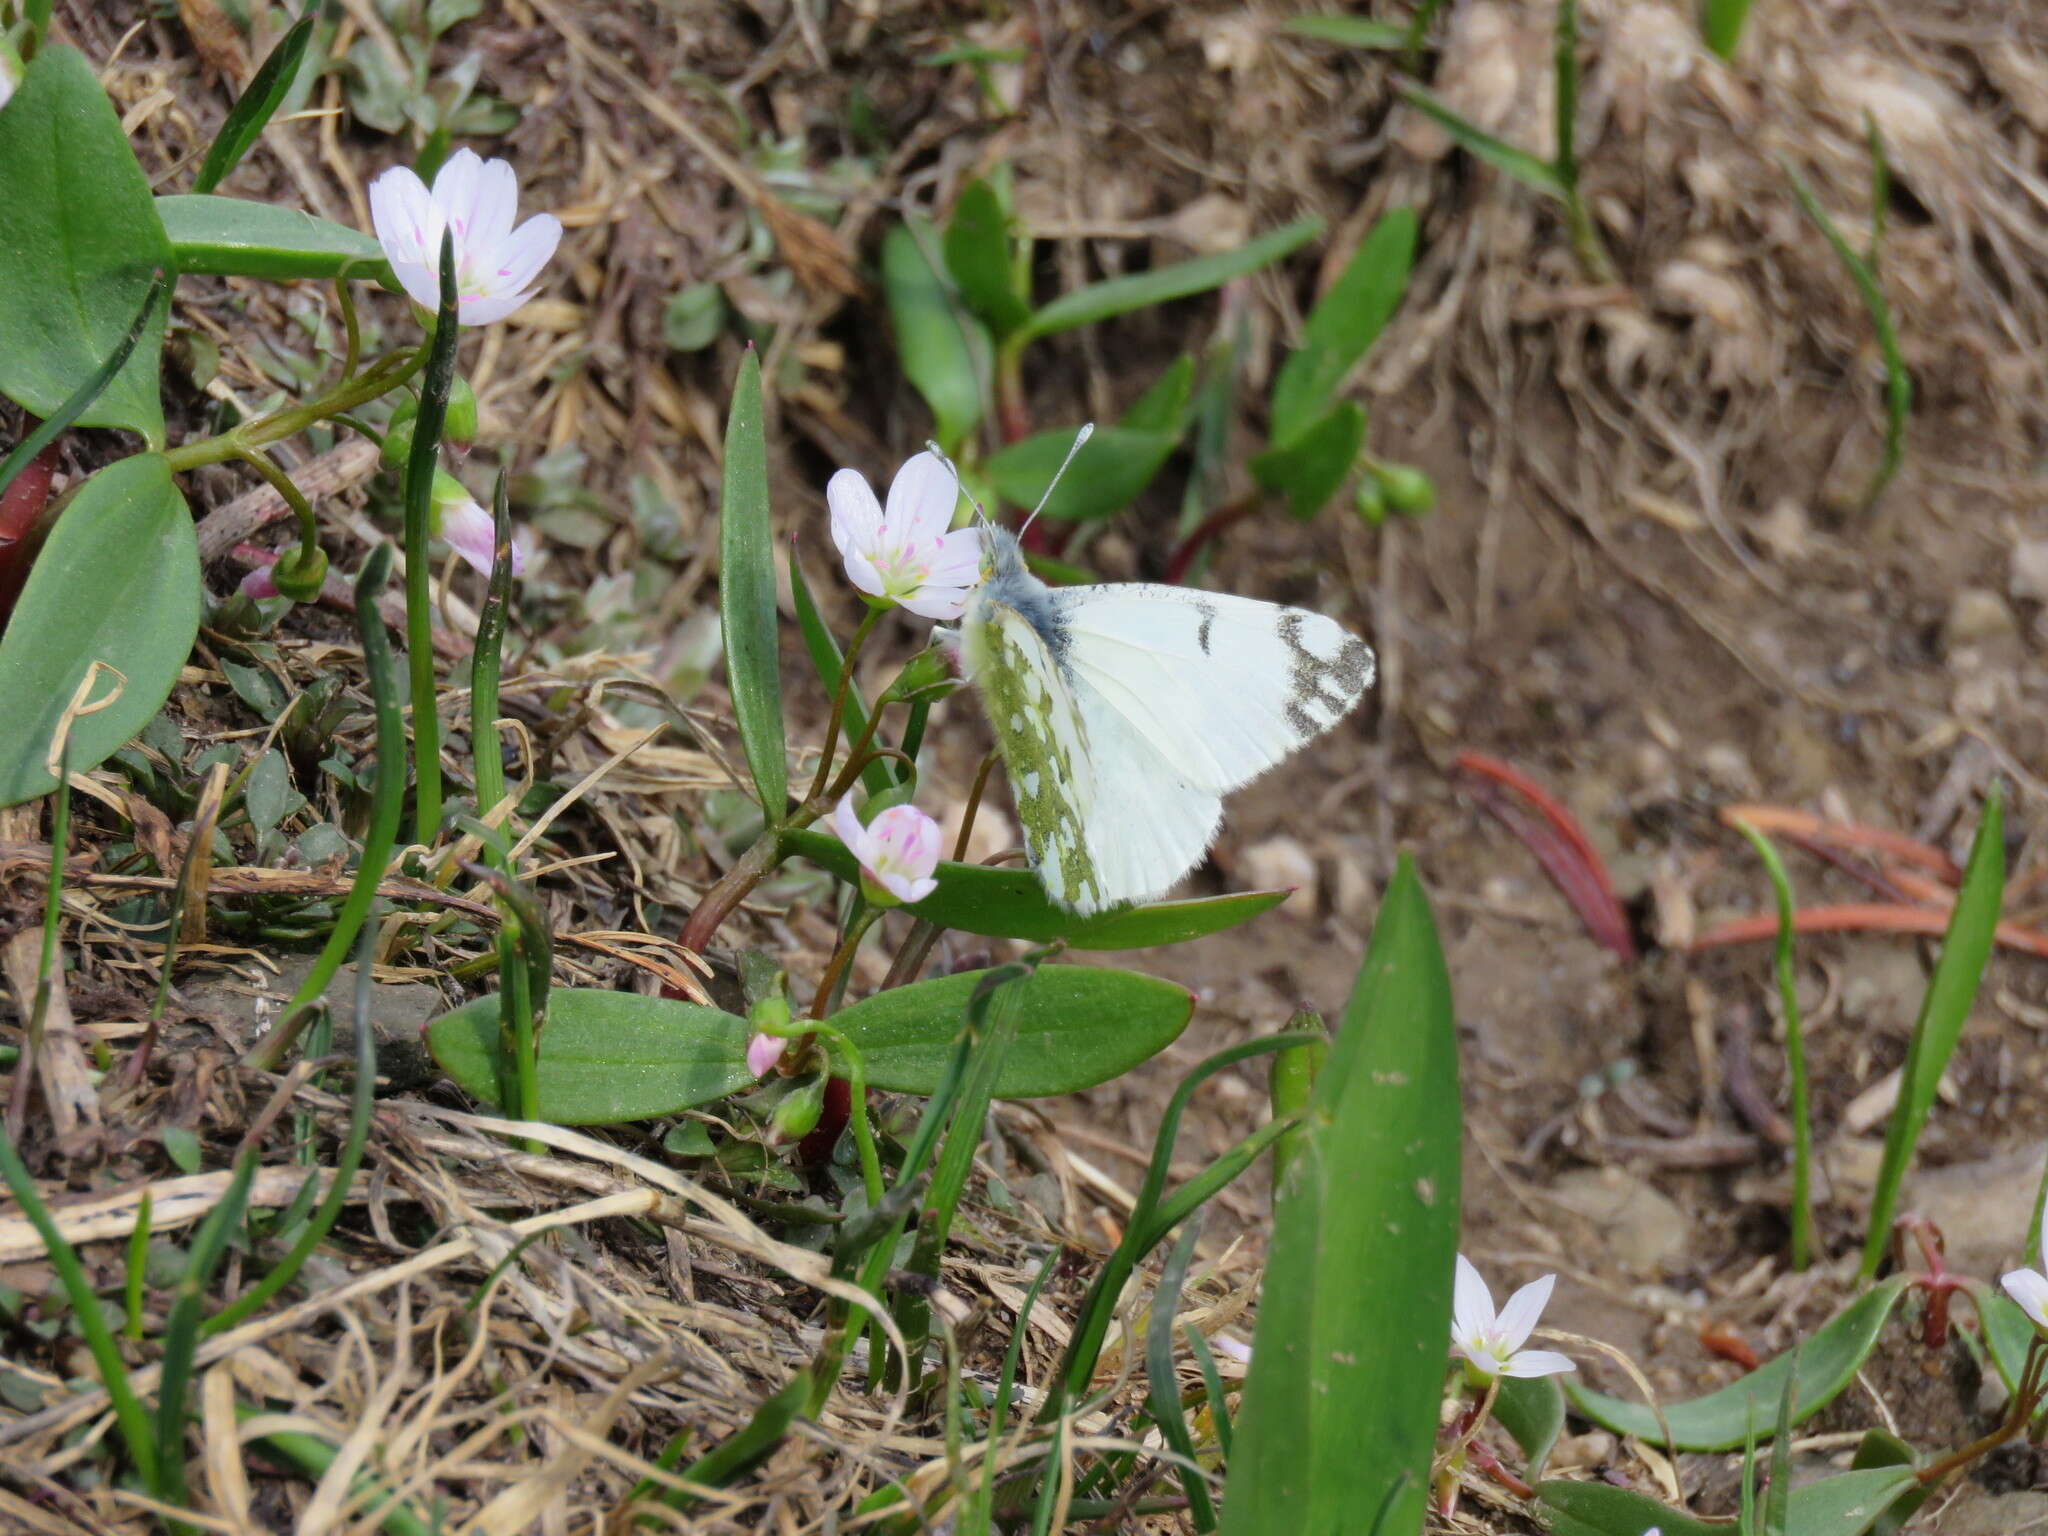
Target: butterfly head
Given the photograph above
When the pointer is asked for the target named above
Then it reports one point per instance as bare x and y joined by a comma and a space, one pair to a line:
1001, 555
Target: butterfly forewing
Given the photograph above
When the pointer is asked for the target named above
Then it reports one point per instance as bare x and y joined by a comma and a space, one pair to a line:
1045, 749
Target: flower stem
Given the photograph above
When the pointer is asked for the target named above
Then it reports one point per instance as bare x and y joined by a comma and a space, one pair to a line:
841, 959
269, 469
379, 379
730, 890
839, 693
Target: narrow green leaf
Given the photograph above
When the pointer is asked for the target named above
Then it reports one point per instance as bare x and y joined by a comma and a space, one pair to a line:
1309, 470
252, 111
1351, 31
1531, 1408
240, 238
1011, 904
1141, 290
1348, 1359
1076, 1026
945, 353
2008, 1333
1536, 174
1721, 24
80, 245
117, 582
1944, 1009
606, 1057
1795, 1046
23, 453
1163, 407
1847, 1504
1344, 324
1163, 1377
978, 254
746, 593
1777, 1500
1720, 1421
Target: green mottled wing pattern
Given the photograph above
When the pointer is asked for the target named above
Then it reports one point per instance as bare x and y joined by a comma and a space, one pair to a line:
1044, 745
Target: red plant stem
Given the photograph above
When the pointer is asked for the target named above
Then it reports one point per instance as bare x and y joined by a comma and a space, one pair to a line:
1559, 843
1787, 821
1861, 917
1206, 531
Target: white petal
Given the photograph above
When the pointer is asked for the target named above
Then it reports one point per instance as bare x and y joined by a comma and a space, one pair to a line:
846, 822
1471, 1302
516, 259
495, 207
958, 562
420, 283
860, 570
930, 602
468, 530
1518, 1319
2029, 1288
407, 223
457, 187
486, 308
922, 498
856, 515
1537, 1362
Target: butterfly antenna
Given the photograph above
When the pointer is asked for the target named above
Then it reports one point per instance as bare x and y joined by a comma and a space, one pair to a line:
1087, 431
959, 485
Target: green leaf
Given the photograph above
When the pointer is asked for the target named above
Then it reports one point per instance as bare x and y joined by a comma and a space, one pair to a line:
1164, 407
1352, 31
1344, 324
254, 108
79, 247
117, 582
1882, 1449
979, 256
1140, 290
1076, 1026
23, 453
1011, 904
1720, 1420
1348, 1359
944, 352
746, 593
694, 317
1107, 475
1944, 1009
2008, 1333
1848, 1504
605, 1057
1536, 174
1721, 24
1309, 470
240, 238
1531, 1408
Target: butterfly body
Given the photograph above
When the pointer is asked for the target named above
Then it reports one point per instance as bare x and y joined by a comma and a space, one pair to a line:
1126, 711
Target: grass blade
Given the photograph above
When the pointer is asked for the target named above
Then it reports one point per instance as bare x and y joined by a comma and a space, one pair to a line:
419, 572
1212, 1384
1165, 1406
1721, 24
1141, 290
253, 110
1943, 1011
1536, 174
1351, 31
1347, 1363
1795, 1049
746, 593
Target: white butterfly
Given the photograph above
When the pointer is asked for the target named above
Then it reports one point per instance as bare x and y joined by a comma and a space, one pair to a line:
1125, 713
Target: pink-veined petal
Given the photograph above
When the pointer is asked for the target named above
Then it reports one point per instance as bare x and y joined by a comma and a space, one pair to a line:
958, 561
908, 838
922, 498
856, 515
459, 189
468, 530
495, 208
763, 1051
1471, 1302
1537, 1362
2029, 1288
846, 822
515, 260
483, 309
929, 602
1524, 1310
407, 224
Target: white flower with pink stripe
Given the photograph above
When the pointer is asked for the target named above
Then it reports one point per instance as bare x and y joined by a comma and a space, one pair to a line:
905, 556
497, 267
897, 851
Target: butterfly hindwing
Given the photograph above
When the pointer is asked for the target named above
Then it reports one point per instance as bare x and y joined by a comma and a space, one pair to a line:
1045, 749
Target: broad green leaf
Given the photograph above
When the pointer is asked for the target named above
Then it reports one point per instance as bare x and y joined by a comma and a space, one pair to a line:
1721, 24
978, 254
1076, 1026
254, 108
23, 453
2008, 1334
605, 1057
1536, 174
1847, 1504
1344, 324
79, 246
945, 353
746, 593
117, 582
1944, 1009
1531, 1408
1721, 1420
1352, 31
240, 238
1883, 1449
1348, 1359
1163, 407
1011, 904
1107, 474
1141, 290
1309, 470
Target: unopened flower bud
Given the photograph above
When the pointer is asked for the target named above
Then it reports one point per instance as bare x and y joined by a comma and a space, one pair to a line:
930, 674
797, 1115
1408, 490
1371, 501
300, 573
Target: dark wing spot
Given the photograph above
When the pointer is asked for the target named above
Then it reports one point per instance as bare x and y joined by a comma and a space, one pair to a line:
1331, 685
1208, 613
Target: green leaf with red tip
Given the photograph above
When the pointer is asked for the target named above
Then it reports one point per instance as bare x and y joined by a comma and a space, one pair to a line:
1011, 904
